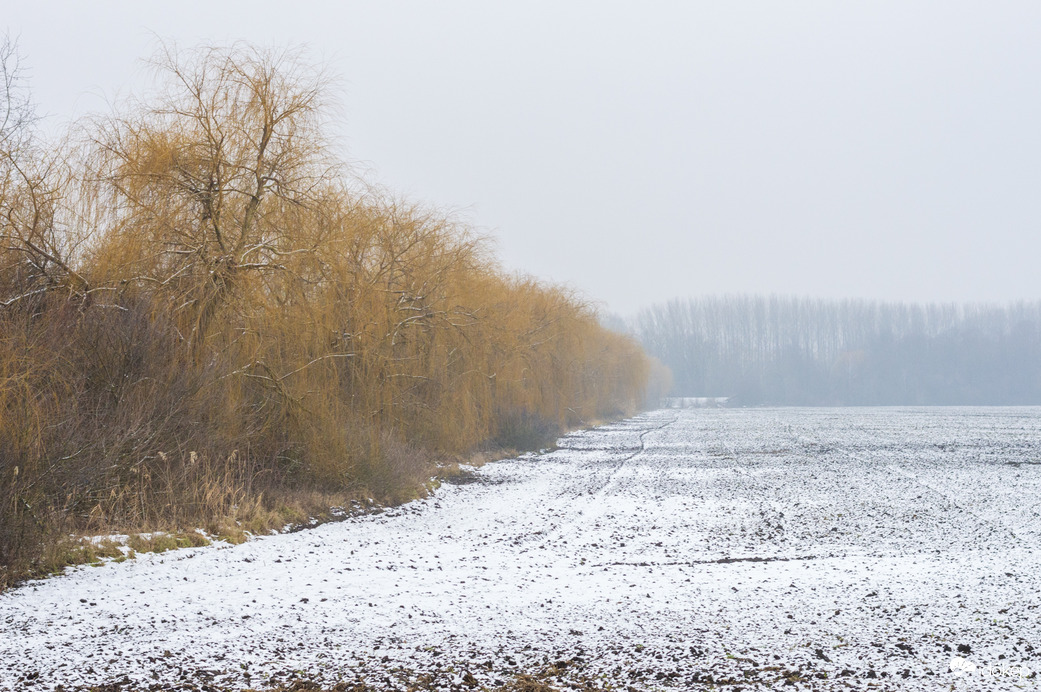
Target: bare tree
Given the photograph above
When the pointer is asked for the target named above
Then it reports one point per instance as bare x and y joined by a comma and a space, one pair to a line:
36, 248
217, 181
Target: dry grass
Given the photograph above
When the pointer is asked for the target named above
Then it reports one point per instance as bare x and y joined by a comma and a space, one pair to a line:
526, 683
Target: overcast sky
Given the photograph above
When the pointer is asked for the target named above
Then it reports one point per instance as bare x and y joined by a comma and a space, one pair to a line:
643, 151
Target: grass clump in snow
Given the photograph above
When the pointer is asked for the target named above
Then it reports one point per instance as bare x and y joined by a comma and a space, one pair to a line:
71, 552
161, 542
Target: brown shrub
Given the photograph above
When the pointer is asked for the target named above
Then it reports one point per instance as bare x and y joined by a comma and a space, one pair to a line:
228, 331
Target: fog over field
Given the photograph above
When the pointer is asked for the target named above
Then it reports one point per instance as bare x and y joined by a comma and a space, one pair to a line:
757, 350
401, 346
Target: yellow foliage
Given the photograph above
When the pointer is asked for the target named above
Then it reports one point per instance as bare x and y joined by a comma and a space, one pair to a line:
242, 319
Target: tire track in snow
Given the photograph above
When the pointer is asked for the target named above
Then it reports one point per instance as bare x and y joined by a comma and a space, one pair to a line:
613, 475
573, 525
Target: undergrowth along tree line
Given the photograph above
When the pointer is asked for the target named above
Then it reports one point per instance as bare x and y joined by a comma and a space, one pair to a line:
204, 317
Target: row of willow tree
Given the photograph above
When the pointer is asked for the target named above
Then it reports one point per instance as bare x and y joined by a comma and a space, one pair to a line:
796, 351
201, 307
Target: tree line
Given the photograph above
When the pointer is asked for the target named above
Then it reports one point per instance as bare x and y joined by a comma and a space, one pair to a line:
206, 317
801, 351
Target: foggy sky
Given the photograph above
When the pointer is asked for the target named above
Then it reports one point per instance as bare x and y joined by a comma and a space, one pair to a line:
644, 151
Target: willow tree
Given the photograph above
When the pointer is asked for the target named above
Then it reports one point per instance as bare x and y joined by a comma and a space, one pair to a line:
38, 248
209, 189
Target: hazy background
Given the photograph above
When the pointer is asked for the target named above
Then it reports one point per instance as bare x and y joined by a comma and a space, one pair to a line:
639, 152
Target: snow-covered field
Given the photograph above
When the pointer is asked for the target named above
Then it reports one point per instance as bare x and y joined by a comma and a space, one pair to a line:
840, 547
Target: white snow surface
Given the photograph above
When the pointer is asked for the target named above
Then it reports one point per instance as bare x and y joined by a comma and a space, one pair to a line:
864, 545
